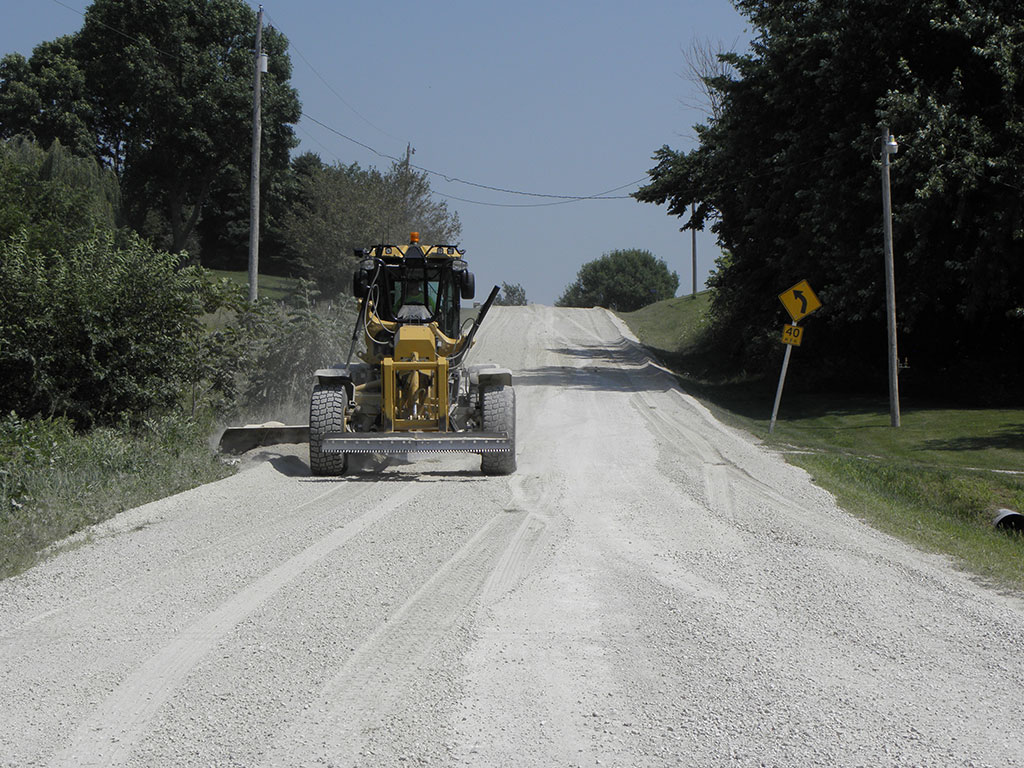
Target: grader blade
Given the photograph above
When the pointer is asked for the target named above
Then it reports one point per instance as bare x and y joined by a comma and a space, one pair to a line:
242, 439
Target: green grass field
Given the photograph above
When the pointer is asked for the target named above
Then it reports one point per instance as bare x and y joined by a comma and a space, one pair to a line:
269, 286
935, 481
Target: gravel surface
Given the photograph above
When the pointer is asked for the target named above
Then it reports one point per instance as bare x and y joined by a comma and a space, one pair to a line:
650, 588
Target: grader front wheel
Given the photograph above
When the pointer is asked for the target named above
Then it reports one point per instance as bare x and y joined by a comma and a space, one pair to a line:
499, 415
326, 414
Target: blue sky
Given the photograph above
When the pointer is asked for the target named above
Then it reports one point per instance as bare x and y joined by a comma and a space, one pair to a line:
566, 98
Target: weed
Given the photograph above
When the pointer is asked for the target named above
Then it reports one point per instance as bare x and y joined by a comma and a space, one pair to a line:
54, 481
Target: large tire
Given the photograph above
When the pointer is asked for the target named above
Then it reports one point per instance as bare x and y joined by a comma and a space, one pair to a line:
326, 414
498, 402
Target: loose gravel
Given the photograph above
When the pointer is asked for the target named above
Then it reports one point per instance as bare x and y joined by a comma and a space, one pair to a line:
650, 588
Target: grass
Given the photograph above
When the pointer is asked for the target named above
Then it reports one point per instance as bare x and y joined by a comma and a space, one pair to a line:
270, 286
935, 481
54, 481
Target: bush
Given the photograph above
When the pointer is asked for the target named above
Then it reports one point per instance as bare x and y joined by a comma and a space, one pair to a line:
623, 281
96, 333
259, 365
512, 295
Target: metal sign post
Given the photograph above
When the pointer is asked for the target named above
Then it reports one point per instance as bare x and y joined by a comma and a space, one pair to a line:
782, 382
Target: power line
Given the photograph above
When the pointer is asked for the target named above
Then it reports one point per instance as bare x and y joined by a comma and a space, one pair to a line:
123, 34
342, 99
453, 179
558, 199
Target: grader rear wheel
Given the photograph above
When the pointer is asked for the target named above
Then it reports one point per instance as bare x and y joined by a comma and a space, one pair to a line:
498, 402
326, 414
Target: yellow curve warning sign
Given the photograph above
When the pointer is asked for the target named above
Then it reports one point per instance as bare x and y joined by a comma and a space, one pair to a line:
799, 301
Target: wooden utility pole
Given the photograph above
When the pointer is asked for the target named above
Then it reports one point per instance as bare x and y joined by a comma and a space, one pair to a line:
254, 176
693, 249
889, 147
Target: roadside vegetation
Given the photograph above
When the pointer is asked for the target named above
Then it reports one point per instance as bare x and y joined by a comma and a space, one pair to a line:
935, 481
56, 480
787, 174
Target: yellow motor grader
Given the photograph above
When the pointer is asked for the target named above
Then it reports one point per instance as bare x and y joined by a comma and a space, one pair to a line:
412, 391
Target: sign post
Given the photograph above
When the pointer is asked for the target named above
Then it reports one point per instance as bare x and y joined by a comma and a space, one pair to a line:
799, 301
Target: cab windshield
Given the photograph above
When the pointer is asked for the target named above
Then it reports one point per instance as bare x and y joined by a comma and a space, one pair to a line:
423, 294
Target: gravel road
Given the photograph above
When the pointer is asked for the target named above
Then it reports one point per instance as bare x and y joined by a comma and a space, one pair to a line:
650, 588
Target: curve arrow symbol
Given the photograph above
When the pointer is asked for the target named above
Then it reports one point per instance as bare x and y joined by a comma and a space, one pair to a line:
803, 301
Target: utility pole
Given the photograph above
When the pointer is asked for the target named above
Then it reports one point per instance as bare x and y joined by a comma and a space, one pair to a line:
693, 250
254, 176
889, 147
407, 186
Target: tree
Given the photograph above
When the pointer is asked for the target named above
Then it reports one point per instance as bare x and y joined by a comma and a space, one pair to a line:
512, 295
44, 97
98, 333
623, 280
346, 207
160, 91
706, 64
52, 197
787, 173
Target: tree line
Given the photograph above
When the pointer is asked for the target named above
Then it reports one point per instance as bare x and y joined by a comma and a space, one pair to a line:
786, 174
160, 93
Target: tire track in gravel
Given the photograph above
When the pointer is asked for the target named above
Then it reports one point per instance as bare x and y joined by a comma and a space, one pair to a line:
379, 681
107, 737
720, 476
272, 525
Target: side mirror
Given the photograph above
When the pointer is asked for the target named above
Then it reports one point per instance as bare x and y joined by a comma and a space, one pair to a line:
468, 287
359, 286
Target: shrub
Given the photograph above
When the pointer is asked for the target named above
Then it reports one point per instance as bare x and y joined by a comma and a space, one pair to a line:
623, 281
96, 333
259, 363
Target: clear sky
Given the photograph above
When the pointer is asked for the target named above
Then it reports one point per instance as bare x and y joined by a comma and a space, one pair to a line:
562, 98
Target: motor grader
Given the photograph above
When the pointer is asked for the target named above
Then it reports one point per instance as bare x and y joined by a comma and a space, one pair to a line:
412, 391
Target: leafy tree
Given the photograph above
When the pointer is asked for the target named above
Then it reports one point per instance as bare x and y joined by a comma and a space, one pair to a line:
345, 207
173, 100
161, 91
512, 295
44, 97
787, 175
55, 198
94, 324
623, 280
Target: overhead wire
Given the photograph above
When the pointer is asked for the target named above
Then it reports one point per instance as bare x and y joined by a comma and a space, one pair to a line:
122, 33
455, 180
330, 87
560, 199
